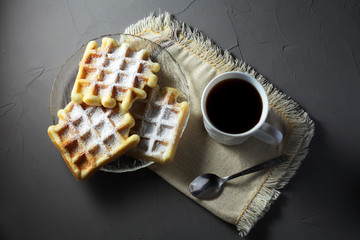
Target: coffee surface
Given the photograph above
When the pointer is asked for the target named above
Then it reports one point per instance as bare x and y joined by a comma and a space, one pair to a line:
234, 106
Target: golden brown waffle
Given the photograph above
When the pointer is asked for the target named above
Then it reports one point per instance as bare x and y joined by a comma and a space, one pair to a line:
113, 73
89, 137
159, 120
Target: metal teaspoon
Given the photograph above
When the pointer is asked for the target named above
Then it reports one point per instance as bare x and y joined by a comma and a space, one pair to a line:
208, 185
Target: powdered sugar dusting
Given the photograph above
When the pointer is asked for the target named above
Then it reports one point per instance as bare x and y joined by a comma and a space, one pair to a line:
107, 130
120, 68
158, 122
76, 112
95, 128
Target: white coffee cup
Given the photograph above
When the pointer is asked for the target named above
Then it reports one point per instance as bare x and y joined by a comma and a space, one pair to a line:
261, 130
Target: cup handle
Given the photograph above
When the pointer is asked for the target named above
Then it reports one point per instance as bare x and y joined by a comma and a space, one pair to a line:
269, 134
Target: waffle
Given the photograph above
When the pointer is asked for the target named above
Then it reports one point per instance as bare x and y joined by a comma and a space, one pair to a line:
159, 120
90, 136
113, 73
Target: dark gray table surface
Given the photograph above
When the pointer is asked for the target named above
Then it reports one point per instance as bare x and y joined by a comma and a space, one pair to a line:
308, 48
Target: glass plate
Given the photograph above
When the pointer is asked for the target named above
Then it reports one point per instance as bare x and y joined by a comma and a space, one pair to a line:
170, 75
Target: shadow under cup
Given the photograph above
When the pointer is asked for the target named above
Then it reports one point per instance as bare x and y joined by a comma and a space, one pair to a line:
235, 106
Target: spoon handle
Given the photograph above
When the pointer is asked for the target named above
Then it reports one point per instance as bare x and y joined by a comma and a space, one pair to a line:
261, 166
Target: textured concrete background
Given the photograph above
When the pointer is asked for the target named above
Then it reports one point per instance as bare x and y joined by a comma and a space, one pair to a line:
309, 49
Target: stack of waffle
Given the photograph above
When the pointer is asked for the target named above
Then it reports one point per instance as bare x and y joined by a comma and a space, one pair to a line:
117, 107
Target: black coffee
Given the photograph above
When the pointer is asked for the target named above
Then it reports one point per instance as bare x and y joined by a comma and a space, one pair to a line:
234, 106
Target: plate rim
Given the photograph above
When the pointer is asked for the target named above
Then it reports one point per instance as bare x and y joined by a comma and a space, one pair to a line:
116, 36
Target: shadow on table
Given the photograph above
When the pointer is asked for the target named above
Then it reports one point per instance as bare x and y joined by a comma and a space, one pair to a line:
112, 188
322, 198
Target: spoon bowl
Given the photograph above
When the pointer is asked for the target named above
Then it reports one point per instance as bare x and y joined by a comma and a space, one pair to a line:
206, 186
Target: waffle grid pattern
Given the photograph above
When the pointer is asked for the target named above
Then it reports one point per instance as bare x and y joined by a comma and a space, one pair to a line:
90, 137
158, 122
113, 73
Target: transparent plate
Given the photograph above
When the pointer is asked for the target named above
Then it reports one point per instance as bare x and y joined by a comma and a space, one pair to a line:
170, 75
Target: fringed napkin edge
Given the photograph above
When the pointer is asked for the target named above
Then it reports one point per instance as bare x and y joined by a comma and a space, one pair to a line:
302, 127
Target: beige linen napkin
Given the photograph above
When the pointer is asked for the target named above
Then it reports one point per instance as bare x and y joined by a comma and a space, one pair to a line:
244, 200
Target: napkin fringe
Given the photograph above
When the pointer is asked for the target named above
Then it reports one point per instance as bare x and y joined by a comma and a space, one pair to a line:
192, 39
302, 127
